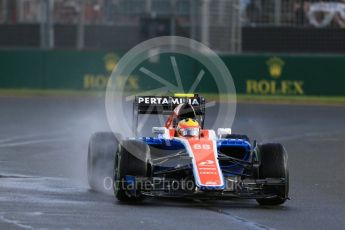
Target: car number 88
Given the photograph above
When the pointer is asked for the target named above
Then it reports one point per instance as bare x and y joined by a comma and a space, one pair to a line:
202, 146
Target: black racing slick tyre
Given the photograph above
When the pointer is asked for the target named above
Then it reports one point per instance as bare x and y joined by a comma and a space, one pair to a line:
100, 160
273, 164
132, 159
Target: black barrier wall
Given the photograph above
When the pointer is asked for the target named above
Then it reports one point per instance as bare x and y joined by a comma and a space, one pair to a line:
122, 38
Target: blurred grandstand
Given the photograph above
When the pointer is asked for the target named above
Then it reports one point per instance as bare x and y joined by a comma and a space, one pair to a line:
227, 26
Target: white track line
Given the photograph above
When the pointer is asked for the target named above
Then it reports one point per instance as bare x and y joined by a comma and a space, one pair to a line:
14, 144
14, 222
247, 224
29, 136
307, 135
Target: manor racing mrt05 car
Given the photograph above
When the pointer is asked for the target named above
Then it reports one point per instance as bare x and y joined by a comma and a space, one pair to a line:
178, 162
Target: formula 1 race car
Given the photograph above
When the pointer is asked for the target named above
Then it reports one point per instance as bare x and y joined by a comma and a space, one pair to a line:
183, 159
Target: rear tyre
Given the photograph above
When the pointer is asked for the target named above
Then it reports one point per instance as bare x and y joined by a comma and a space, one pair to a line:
273, 164
132, 159
100, 161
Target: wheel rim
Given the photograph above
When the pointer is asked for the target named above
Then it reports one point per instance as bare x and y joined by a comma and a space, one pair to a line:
116, 174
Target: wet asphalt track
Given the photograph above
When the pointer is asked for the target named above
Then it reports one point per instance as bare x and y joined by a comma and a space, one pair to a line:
43, 144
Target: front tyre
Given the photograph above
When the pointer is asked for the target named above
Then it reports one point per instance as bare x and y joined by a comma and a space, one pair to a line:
100, 160
132, 159
273, 164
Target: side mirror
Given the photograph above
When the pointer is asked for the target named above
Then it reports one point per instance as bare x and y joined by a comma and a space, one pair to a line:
160, 131
223, 132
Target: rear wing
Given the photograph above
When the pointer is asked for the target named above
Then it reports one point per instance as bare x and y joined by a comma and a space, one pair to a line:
165, 105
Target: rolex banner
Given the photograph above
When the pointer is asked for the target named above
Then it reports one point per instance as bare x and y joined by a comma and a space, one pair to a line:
253, 74
288, 75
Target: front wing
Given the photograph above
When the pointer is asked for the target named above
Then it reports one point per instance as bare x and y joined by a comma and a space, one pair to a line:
168, 187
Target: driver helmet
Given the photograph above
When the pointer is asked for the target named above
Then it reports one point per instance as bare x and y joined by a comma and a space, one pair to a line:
188, 128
